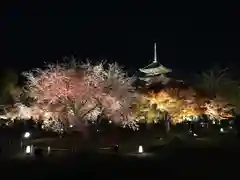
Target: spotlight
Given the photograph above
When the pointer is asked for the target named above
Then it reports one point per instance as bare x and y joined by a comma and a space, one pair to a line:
27, 135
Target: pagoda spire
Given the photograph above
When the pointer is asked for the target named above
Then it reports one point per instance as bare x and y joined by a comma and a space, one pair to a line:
155, 53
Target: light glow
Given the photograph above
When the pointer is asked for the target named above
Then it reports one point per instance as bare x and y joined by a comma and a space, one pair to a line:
27, 135
221, 130
140, 149
179, 106
28, 150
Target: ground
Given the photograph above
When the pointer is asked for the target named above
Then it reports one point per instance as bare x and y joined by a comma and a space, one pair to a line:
174, 155
154, 144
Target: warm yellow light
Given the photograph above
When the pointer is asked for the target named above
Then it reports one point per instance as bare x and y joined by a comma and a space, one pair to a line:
180, 106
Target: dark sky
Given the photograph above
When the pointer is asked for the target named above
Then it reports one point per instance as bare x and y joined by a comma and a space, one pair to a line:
186, 43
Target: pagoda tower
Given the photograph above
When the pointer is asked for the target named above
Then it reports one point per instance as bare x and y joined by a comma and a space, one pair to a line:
155, 72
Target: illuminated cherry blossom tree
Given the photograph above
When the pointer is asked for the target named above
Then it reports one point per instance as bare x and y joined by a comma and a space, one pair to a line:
84, 92
117, 92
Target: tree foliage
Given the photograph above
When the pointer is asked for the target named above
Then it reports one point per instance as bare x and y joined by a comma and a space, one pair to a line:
82, 92
218, 83
72, 94
181, 105
9, 89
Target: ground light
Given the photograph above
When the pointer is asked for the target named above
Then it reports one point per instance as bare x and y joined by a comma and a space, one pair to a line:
221, 130
28, 150
116, 148
195, 135
49, 150
27, 135
140, 149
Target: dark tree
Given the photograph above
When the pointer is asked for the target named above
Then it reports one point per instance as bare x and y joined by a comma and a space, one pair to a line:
8, 86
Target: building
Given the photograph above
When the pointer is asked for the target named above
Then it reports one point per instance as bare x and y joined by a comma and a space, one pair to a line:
155, 72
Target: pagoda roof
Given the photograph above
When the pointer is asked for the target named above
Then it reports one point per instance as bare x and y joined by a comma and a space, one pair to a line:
154, 64
156, 79
158, 69
155, 68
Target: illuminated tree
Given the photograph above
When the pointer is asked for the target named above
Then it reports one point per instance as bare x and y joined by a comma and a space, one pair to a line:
179, 105
217, 82
55, 84
140, 109
217, 109
167, 102
84, 92
118, 93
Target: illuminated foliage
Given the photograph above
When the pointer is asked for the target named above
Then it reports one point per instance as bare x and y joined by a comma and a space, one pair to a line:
217, 82
83, 92
181, 105
176, 106
218, 109
73, 94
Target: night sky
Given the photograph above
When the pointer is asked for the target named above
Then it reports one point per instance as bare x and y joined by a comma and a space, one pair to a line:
186, 43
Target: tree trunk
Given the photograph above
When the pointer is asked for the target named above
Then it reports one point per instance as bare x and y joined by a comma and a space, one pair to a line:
167, 126
39, 125
191, 126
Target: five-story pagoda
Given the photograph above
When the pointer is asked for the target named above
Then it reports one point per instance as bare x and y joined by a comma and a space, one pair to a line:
155, 72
